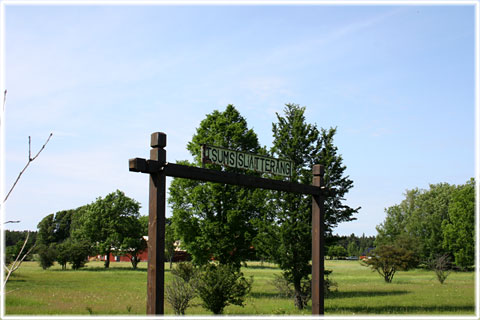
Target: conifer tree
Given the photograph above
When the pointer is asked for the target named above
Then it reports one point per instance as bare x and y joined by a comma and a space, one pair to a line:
286, 231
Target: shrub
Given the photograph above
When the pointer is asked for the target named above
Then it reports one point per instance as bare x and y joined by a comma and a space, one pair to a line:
185, 270
222, 285
442, 267
46, 255
78, 252
178, 294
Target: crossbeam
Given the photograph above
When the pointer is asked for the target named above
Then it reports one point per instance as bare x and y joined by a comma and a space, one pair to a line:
182, 171
158, 168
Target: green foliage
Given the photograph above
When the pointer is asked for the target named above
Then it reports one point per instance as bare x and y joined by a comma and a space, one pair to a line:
285, 233
169, 241
459, 229
222, 285
215, 220
181, 290
12, 249
63, 254
110, 222
387, 260
179, 293
46, 255
185, 271
442, 267
337, 251
432, 222
352, 249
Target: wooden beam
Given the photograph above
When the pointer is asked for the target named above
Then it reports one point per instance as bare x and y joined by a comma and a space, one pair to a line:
182, 171
318, 248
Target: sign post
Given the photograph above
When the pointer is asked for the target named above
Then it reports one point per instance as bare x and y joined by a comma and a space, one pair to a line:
158, 168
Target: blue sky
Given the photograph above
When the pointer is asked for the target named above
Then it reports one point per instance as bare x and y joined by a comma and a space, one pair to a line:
396, 81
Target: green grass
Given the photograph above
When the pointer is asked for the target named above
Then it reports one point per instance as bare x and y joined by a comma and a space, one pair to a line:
121, 290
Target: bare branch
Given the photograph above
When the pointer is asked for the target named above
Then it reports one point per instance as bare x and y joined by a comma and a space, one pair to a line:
28, 163
18, 261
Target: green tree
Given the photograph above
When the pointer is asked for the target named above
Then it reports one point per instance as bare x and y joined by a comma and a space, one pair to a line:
459, 229
352, 249
422, 222
387, 260
47, 255
286, 231
108, 222
214, 221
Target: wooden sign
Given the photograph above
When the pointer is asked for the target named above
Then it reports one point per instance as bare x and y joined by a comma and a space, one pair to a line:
245, 160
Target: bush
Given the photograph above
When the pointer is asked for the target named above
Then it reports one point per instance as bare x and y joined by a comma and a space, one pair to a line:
178, 294
222, 285
442, 267
182, 288
46, 255
78, 253
63, 254
185, 270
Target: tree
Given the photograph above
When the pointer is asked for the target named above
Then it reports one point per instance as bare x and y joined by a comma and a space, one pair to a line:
387, 260
47, 255
132, 243
352, 249
431, 222
459, 229
108, 222
169, 241
214, 221
286, 232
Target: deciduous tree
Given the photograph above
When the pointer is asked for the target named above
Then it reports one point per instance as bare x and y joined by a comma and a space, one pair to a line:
214, 221
108, 222
387, 260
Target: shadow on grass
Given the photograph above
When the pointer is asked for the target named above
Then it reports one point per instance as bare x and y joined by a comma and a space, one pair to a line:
103, 269
357, 294
335, 295
411, 310
261, 267
263, 295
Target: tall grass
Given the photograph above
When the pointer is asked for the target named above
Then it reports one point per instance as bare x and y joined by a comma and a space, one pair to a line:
121, 290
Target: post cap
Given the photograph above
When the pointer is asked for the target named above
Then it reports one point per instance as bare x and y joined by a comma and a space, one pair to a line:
158, 140
318, 170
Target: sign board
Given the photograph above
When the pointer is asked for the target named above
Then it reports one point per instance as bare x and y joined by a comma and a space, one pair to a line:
245, 160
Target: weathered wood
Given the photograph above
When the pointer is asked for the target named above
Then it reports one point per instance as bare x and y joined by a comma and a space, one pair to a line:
156, 235
318, 248
182, 171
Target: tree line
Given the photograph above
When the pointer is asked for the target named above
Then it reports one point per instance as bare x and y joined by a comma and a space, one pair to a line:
109, 225
433, 223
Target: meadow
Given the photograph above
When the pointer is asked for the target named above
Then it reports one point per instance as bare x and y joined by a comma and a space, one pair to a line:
121, 290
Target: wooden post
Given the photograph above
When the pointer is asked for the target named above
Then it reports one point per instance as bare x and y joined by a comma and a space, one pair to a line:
318, 246
156, 228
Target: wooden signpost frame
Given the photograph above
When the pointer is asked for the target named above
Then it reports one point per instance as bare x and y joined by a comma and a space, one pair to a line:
158, 168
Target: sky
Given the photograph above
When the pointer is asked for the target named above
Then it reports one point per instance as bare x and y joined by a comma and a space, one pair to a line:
397, 81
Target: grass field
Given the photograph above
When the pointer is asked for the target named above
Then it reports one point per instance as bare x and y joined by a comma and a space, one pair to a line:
121, 290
